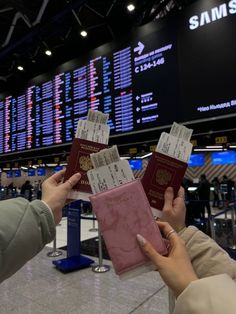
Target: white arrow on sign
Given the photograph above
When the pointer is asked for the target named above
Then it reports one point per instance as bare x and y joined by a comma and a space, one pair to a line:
139, 48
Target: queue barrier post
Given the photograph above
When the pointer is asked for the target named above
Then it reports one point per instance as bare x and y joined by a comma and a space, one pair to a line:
74, 260
233, 246
100, 267
54, 252
93, 229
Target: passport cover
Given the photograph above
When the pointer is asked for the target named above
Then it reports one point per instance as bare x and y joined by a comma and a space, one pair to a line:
122, 213
162, 171
79, 161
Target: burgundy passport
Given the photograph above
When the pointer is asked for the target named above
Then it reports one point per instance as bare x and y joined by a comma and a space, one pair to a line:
162, 171
79, 161
122, 213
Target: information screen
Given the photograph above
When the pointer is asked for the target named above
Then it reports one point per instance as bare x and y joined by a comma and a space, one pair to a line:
136, 164
31, 172
223, 158
178, 69
17, 173
57, 168
41, 171
135, 83
196, 160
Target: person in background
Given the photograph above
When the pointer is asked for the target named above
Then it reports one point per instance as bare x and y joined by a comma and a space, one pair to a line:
26, 190
10, 189
230, 185
38, 189
200, 273
203, 191
216, 193
26, 227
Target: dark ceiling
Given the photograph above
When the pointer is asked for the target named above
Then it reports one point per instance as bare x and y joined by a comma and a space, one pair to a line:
29, 27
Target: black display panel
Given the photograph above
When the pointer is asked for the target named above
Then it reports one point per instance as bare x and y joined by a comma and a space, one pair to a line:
207, 59
178, 69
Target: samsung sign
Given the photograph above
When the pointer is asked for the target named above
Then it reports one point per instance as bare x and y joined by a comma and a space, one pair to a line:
212, 15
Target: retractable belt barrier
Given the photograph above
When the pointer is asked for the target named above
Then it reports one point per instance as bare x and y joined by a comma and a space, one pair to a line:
231, 210
74, 259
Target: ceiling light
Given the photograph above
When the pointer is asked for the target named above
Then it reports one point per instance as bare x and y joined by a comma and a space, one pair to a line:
130, 7
83, 33
20, 68
207, 149
147, 155
48, 52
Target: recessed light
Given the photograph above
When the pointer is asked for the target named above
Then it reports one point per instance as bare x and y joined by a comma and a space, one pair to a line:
48, 52
83, 33
130, 7
20, 68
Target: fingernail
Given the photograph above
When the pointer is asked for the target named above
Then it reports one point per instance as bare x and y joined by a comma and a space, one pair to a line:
141, 240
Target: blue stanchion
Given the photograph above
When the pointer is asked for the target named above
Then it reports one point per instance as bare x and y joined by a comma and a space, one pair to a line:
74, 259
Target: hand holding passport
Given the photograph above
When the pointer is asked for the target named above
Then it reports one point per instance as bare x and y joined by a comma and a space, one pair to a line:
122, 213
120, 203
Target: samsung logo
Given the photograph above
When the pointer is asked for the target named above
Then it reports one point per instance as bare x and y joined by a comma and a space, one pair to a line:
214, 14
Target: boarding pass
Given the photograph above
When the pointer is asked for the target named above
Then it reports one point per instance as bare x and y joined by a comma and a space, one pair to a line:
109, 176
174, 147
109, 170
105, 157
181, 131
97, 116
95, 132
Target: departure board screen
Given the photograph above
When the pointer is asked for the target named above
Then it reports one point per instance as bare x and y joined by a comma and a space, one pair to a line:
177, 69
133, 83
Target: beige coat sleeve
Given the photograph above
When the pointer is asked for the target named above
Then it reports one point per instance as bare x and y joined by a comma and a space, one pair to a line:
24, 230
207, 257
211, 295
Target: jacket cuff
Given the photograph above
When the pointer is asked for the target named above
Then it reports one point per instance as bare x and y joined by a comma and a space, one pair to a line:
186, 233
49, 230
215, 294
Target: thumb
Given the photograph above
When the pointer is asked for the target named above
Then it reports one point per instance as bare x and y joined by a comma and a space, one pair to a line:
149, 251
168, 198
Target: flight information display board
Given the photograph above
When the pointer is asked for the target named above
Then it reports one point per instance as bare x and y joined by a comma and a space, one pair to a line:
134, 84
180, 69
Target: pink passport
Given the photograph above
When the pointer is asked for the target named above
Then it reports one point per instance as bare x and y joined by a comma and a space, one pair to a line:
122, 213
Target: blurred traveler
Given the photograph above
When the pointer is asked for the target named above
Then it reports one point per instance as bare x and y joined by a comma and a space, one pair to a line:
216, 192
26, 190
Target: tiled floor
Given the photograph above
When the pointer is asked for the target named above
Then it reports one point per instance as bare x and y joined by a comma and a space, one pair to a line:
38, 288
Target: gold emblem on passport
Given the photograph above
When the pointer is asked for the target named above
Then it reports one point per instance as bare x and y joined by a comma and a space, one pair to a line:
163, 177
85, 163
